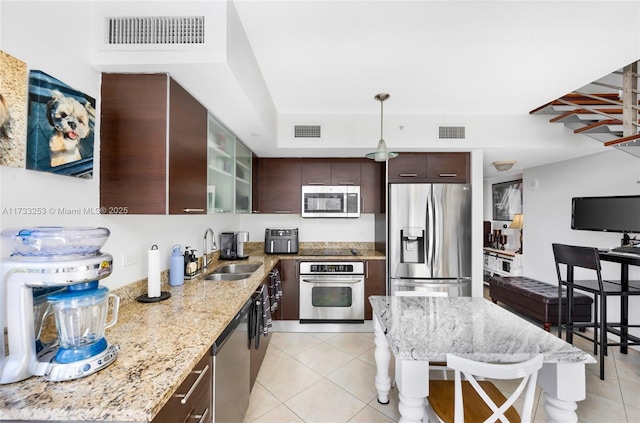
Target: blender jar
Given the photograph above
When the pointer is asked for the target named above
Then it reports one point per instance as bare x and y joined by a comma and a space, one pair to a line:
81, 313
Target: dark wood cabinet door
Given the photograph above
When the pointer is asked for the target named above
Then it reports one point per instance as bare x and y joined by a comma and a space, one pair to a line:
375, 283
372, 185
198, 406
187, 153
345, 172
316, 172
135, 161
133, 137
448, 167
282, 186
408, 168
289, 305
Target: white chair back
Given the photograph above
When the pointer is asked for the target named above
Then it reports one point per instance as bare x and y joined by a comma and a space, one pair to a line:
527, 371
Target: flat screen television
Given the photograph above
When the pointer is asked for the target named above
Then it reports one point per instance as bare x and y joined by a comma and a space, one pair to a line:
609, 214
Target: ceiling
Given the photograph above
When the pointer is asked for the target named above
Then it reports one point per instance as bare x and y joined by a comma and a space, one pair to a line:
449, 60
437, 57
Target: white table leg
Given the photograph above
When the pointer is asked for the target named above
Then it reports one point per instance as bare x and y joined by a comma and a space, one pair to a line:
559, 411
412, 379
383, 358
563, 385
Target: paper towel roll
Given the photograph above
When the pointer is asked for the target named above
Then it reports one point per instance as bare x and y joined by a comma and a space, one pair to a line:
153, 277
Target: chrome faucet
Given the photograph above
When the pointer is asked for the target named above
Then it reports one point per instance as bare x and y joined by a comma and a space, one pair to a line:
214, 247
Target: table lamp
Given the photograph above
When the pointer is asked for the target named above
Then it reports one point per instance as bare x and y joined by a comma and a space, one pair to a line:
517, 223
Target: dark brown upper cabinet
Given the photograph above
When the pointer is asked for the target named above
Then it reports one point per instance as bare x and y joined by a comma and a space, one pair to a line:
429, 167
279, 186
316, 172
153, 146
278, 182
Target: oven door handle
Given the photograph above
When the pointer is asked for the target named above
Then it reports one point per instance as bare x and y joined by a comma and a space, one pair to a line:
355, 280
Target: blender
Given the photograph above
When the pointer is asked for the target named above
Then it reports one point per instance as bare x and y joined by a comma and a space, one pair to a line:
68, 259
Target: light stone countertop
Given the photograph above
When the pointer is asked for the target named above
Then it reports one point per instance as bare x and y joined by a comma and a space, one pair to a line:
159, 345
427, 328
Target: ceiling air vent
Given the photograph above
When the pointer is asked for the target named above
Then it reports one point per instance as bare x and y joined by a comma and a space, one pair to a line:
307, 131
154, 30
451, 132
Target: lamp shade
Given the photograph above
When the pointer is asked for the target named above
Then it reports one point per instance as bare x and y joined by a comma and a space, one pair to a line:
504, 165
381, 154
517, 222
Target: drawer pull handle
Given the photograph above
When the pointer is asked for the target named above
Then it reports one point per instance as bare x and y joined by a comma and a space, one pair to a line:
448, 175
185, 397
408, 175
346, 183
315, 183
202, 417
192, 210
283, 211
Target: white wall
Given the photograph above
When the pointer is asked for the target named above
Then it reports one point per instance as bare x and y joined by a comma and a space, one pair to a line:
32, 44
135, 234
547, 211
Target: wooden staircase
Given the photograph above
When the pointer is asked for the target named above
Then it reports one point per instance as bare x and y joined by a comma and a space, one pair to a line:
606, 110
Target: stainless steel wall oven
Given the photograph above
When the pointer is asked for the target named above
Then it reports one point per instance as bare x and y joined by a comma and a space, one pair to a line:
332, 292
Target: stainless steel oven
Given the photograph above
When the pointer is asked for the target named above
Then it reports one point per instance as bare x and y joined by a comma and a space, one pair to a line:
332, 292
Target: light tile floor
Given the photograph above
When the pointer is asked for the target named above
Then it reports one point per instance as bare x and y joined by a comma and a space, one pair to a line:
329, 377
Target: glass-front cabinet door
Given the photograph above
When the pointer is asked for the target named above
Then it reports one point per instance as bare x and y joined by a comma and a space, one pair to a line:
243, 178
221, 166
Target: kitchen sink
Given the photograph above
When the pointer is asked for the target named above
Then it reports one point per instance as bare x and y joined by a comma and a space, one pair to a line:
226, 276
238, 268
233, 272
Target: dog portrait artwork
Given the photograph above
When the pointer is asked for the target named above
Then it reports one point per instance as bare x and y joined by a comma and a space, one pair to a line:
70, 122
61, 128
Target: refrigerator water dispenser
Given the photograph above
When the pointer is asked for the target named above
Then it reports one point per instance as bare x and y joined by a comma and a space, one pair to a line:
412, 241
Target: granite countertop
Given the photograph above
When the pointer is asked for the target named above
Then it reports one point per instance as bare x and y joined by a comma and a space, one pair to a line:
427, 328
159, 345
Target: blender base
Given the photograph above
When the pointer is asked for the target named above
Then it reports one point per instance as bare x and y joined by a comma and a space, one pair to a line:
57, 372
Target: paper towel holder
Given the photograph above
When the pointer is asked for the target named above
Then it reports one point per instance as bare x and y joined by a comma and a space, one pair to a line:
145, 298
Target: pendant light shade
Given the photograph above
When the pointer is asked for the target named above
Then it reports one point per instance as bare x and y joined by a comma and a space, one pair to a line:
381, 154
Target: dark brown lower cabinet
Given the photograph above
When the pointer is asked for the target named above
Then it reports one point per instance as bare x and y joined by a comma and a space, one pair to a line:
289, 308
192, 399
374, 283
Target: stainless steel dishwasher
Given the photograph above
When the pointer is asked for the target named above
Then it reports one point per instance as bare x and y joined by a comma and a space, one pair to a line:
231, 363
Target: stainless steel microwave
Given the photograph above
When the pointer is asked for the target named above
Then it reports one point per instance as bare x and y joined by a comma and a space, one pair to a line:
330, 201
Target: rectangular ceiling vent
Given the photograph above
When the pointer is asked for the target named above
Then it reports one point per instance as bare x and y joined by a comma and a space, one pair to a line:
307, 131
451, 132
154, 30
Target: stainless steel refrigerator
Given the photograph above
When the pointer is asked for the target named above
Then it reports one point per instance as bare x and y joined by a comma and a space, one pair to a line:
429, 238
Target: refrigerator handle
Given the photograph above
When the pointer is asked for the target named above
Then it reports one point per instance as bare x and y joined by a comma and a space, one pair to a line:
431, 226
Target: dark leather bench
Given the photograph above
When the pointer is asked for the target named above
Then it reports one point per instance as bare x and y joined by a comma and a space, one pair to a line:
537, 299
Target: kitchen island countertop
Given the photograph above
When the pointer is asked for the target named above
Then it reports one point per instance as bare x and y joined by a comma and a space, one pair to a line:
159, 345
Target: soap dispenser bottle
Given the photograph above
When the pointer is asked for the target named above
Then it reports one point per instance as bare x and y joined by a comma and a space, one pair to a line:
192, 266
176, 266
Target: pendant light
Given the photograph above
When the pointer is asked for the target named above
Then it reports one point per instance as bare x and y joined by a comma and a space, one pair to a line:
381, 154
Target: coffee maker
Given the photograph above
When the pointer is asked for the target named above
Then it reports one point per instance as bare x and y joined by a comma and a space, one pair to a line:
55, 271
233, 245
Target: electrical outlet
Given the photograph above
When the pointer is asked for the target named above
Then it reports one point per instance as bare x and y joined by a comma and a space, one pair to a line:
129, 259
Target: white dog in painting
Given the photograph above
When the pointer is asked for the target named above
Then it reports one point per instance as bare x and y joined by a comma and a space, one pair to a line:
70, 121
